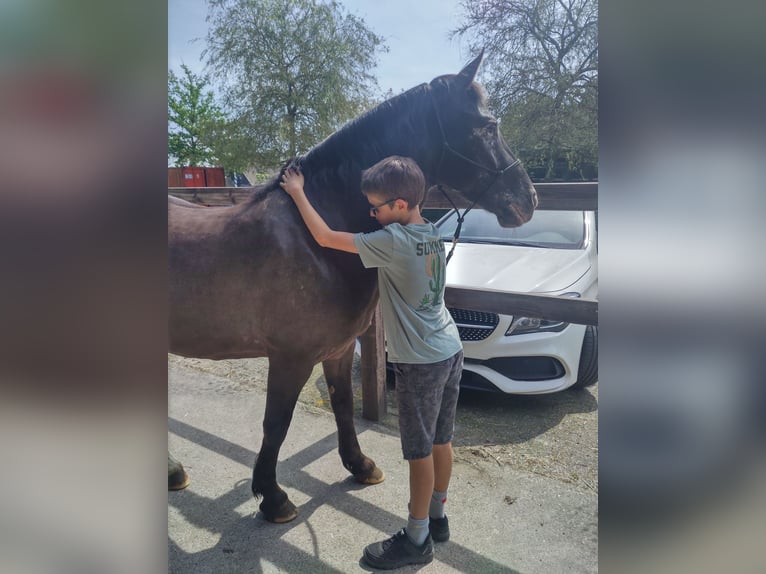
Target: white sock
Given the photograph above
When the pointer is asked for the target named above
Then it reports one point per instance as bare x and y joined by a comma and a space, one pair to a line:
417, 530
438, 499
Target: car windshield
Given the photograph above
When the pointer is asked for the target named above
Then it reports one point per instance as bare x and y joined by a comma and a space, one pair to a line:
554, 229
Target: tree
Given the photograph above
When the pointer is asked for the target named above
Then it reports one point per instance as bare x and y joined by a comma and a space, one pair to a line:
541, 73
228, 139
291, 71
192, 114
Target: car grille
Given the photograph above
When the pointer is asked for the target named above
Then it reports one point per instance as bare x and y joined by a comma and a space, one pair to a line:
474, 325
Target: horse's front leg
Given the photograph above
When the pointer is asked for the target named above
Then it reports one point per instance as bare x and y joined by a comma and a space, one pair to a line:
287, 375
337, 372
177, 477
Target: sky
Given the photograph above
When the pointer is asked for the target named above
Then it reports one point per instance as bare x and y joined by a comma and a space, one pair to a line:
416, 32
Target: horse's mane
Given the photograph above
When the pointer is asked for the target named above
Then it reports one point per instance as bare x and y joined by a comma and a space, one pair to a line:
361, 140
340, 157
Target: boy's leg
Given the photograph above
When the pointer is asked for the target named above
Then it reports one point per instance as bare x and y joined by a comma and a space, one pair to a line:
421, 486
442, 455
438, 524
418, 400
411, 545
445, 424
442, 451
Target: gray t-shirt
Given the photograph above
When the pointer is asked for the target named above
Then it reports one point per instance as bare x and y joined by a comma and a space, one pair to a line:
411, 272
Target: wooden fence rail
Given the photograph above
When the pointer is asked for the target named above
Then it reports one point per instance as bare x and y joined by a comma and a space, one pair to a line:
552, 196
580, 311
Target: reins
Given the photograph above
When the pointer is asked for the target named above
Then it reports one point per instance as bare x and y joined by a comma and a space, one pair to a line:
496, 173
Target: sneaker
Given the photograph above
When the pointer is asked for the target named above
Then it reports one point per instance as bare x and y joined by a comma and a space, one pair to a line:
439, 528
398, 551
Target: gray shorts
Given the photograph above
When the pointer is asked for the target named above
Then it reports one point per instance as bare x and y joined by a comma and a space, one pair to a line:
427, 398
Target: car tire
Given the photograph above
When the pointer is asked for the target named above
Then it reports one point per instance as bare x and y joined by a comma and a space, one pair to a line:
587, 373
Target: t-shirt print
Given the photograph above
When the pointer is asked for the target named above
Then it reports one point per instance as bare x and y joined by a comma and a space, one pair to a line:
436, 273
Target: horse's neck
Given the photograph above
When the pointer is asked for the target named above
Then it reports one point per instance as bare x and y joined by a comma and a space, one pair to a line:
334, 167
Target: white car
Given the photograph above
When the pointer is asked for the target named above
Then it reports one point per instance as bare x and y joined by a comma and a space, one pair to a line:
555, 253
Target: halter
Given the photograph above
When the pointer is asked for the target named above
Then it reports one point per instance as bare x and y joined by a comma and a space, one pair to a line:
496, 173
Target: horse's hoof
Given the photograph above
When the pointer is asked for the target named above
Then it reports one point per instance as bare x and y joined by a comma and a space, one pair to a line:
178, 480
375, 476
285, 513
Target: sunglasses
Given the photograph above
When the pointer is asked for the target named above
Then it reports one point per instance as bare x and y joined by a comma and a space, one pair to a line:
375, 208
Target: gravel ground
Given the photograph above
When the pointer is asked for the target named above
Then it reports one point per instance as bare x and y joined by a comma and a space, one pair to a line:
552, 435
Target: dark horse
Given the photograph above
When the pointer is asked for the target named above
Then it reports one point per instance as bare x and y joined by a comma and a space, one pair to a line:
249, 280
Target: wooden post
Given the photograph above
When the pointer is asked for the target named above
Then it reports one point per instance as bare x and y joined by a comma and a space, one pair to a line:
374, 369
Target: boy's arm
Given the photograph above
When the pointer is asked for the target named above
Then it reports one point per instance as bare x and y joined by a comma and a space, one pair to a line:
292, 183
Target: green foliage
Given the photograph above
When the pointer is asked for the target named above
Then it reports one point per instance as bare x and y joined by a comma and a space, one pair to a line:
229, 141
291, 71
541, 73
192, 119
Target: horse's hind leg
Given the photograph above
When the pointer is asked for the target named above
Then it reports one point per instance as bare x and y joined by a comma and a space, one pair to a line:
287, 375
337, 372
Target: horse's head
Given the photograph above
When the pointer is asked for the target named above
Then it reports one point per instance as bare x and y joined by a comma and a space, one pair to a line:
473, 158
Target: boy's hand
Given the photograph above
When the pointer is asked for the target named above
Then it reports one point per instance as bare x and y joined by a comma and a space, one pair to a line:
292, 182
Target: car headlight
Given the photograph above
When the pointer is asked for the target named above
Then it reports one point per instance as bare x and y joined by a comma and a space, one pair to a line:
526, 325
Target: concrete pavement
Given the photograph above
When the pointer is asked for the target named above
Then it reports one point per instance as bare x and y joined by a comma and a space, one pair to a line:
502, 520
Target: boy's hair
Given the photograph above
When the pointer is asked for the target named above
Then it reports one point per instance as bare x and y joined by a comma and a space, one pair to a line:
395, 177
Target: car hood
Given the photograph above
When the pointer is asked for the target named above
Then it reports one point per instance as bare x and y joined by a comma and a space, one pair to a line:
511, 268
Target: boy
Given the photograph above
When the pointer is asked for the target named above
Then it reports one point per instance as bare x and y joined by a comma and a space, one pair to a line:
422, 341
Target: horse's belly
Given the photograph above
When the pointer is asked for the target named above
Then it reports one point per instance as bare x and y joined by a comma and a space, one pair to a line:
203, 341
248, 290
258, 334
227, 322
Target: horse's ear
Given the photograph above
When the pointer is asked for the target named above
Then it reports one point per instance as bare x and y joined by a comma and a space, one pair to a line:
468, 73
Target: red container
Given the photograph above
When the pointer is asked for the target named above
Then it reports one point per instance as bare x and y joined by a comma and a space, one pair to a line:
175, 177
215, 177
194, 176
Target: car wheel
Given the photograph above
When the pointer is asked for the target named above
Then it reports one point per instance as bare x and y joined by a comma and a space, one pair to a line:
587, 374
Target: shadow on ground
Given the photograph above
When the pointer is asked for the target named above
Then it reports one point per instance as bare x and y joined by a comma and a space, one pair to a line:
245, 541
483, 417
496, 418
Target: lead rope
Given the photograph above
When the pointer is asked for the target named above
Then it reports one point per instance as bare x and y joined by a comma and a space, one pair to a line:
461, 216
460, 219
